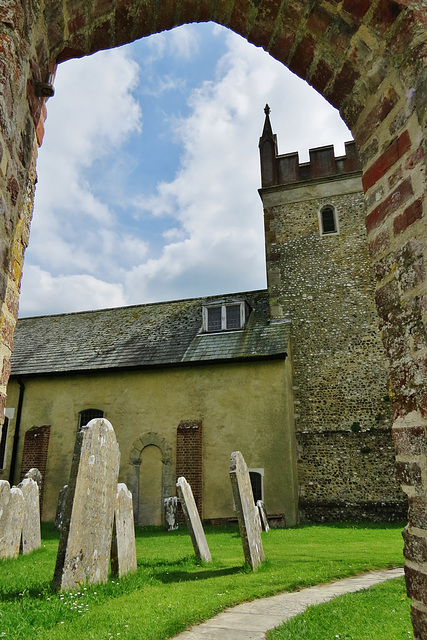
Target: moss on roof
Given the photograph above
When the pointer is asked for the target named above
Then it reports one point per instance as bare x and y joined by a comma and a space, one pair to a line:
149, 335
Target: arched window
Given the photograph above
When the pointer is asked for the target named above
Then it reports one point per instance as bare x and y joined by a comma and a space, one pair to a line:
328, 221
89, 414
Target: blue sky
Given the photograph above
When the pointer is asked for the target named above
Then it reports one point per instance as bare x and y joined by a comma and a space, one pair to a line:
149, 170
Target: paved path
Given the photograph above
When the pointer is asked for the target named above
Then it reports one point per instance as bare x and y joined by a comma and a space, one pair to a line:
251, 620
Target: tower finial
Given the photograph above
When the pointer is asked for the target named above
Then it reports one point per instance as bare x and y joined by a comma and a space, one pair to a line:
267, 110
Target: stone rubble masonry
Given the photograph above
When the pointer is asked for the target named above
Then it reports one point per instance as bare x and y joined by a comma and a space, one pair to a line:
87, 528
192, 518
31, 534
366, 58
123, 549
247, 512
12, 508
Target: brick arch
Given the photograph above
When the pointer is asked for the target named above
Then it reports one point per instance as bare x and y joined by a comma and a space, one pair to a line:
366, 57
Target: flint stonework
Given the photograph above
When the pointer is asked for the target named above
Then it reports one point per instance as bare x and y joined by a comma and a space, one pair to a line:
86, 533
123, 550
192, 518
11, 518
263, 515
31, 536
171, 516
247, 512
60, 507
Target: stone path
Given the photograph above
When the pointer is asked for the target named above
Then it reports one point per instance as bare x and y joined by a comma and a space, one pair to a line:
251, 620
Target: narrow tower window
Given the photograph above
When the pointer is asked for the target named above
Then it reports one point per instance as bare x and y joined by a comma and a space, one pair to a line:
328, 221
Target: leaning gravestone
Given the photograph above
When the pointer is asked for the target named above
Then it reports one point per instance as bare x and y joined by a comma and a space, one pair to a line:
123, 550
35, 474
60, 508
247, 513
11, 518
85, 540
171, 517
263, 515
31, 537
192, 518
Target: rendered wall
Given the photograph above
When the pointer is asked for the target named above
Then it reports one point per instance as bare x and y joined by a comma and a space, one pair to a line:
242, 407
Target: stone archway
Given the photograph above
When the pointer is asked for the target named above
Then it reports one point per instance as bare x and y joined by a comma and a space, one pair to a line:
150, 439
367, 58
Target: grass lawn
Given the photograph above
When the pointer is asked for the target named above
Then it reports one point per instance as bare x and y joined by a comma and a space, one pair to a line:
171, 591
381, 612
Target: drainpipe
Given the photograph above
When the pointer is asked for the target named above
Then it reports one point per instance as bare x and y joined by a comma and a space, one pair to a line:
16, 435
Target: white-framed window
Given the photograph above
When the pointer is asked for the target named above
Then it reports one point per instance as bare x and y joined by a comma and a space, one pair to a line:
328, 221
257, 482
225, 316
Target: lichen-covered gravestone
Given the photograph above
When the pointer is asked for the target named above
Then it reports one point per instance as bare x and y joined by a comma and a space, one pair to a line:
31, 537
263, 515
123, 551
247, 512
11, 518
85, 541
35, 474
192, 518
60, 507
171, 518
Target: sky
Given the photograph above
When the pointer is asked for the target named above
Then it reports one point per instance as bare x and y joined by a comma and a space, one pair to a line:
148, 174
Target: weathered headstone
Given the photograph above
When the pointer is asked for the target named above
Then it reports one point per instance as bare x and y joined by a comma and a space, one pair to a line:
192, 518
60, 508
123, 550
263, 515
35, 474
247, 512
11, 518
171, 515
87, 528
31, 537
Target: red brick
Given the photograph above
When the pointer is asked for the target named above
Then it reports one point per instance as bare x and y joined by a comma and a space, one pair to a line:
356, 8
343, 85
321, 76
379, 243
385, 14
303, 56
411, 214
388, 158
376, 115
392, 203
415, 158
101, 36
318, 21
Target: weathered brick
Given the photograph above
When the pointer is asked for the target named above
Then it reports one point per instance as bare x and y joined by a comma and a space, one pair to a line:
409, 473
376, 115
415, 546
416, 584
388, 158
356, 8
379, 243
411, 214
410, 440
393, 202
419, 622
321, 76
343, 85
417, 513
303, 56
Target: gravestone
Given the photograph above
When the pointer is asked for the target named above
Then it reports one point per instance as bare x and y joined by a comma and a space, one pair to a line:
11, 518
60, 508
87, 528
193, 521
35, 474
247, 512
263, 515
123, 550
31, 537
171, 515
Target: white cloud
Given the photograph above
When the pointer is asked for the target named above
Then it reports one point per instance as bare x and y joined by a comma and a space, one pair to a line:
63, 294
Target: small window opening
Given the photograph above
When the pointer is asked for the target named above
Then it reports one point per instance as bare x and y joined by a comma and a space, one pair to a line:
214, 319
256, 482
328, 221
225, 317
3, 442
89, 414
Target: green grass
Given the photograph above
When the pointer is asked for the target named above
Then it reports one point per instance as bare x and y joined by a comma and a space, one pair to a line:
380, 612
171, 591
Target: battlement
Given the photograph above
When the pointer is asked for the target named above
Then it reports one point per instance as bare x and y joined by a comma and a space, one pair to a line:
286, 169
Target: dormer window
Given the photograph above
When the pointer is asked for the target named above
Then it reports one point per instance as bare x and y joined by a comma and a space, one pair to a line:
226, 316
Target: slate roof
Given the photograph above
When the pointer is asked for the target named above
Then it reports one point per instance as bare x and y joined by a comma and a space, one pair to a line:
149, 335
